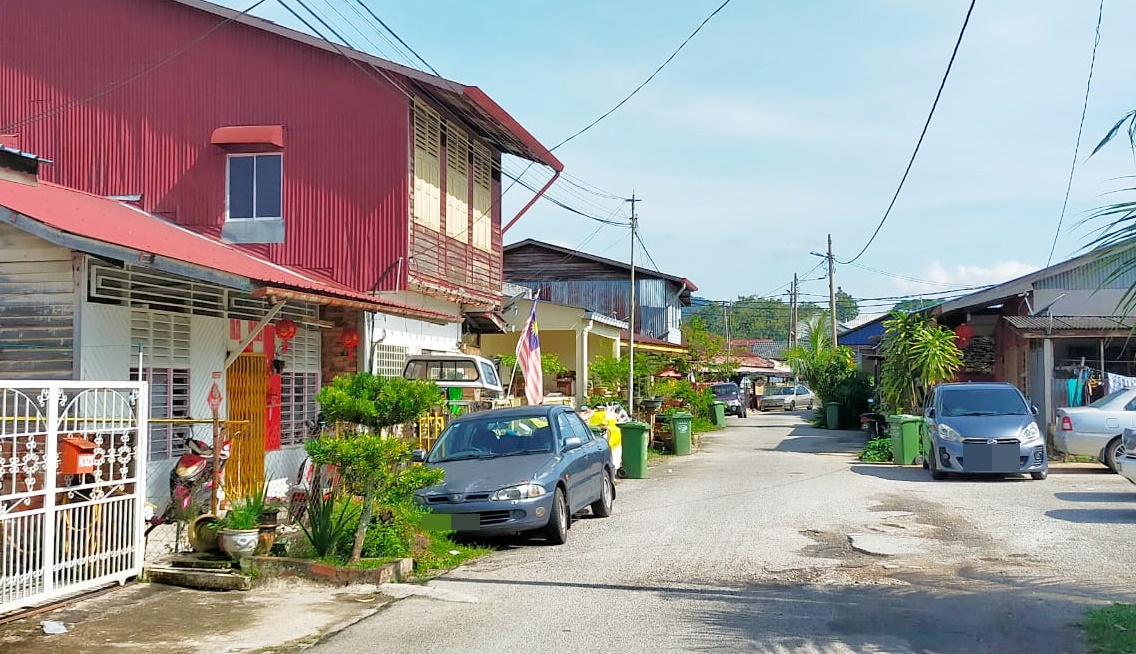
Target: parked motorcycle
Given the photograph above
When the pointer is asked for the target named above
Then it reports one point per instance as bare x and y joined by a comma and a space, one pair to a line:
191, 483
875, 424
309, 475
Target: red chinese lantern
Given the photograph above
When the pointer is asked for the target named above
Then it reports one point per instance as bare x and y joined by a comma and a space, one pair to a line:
963, 334
285, 331
350, 340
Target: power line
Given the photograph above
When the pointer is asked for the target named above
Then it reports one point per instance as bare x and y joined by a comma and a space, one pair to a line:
905, 277
398, 38
110, 88
649, 78
922, 134
1080, 129
643, 246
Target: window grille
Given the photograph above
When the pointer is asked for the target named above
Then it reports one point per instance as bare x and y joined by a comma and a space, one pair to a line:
298, 406
390, 360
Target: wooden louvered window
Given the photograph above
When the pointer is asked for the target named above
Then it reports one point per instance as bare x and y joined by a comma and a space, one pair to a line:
482, 198
427, 167
457, 183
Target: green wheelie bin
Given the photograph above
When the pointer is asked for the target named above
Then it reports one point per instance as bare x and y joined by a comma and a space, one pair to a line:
634, 449
905, 438
682, 432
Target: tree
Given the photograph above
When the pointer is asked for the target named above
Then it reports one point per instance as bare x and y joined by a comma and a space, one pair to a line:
373, 464
846, 306
917, 354
1117, 238
750, 317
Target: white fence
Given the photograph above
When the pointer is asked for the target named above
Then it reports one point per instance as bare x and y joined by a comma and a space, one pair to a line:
70, 524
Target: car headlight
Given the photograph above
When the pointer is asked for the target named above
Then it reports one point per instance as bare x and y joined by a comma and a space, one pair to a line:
518, 492
1031, 433
948, 434
419, 500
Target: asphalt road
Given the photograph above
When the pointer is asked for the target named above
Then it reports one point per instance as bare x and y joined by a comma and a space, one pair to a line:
748, 545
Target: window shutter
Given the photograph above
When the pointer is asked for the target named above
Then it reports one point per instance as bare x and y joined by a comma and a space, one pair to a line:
427, 167
457, 184
482, 198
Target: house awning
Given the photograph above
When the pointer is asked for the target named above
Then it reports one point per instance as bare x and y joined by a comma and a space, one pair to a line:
1073, 326
90, 223
649, 344
486, 322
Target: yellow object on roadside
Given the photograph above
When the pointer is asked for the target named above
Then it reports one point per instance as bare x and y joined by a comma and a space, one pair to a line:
601, 418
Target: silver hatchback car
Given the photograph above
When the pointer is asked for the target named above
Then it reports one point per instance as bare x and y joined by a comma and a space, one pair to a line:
986, 427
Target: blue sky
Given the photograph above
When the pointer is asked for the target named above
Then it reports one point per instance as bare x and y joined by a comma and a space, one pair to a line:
782, 122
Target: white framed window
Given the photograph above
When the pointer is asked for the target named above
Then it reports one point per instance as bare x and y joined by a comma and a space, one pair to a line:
389, 360
457, 183
255, 189
482, 198
298, 406
427, 167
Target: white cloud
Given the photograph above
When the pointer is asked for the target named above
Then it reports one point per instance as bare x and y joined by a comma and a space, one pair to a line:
937, 277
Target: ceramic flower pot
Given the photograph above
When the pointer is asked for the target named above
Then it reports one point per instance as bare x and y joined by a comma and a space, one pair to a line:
238, 543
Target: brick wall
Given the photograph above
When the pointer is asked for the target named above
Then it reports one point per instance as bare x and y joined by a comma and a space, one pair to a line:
334, 359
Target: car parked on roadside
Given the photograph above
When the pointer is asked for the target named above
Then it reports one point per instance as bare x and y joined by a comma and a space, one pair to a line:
729, 393
1126, 463
526, 469
983, 427
789, 398
1097, 429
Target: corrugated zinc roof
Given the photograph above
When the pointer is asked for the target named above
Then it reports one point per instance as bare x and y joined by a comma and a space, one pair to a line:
100, 219
1076, 323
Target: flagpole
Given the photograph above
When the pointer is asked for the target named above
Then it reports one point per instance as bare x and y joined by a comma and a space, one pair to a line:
514, 375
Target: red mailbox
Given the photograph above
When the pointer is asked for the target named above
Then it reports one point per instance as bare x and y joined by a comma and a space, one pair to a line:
78, 456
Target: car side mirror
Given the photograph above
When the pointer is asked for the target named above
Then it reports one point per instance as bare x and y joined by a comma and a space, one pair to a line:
1033, 409
418, 456
572, 442
931, 412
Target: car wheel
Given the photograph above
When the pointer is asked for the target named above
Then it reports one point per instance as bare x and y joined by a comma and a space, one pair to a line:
1112, 452
557, 530
926, 458
601, 508
810, 406
936, 474
792, 406
1040, 475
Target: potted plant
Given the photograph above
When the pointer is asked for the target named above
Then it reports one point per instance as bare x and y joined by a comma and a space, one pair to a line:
238, 530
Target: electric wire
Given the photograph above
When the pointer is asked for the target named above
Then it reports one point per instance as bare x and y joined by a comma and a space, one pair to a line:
110, 88
398, 38
905, 277
1080, 130
649, 77
922, 134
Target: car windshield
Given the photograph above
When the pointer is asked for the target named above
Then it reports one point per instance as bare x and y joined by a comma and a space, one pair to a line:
490, 438
982, 402
1108, 398
782, 390
724, 390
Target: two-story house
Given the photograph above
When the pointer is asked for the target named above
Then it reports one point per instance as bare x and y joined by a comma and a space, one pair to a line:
565, 276
215, 193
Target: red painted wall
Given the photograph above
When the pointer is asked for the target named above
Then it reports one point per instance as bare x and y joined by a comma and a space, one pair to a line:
346, 159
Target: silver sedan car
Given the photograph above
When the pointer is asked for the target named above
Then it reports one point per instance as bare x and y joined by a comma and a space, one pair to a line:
1097, 429
788, 398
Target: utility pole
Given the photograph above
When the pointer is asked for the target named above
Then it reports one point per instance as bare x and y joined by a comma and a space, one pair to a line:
793, 312
631, 318
832, 288
726, 320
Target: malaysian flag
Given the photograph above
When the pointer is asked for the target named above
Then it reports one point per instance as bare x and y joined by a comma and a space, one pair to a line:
528, 358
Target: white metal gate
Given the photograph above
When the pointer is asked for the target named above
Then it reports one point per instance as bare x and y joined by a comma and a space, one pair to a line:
62, 533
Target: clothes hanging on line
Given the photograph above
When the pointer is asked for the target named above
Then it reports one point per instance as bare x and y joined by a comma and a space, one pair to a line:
1119, 382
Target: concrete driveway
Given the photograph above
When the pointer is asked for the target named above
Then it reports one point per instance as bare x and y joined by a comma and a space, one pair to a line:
771, 538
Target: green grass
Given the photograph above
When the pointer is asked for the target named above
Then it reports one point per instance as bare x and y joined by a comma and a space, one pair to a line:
1111, 630
438, 558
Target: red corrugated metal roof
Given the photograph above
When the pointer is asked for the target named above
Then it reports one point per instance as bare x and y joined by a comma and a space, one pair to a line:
108, 221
